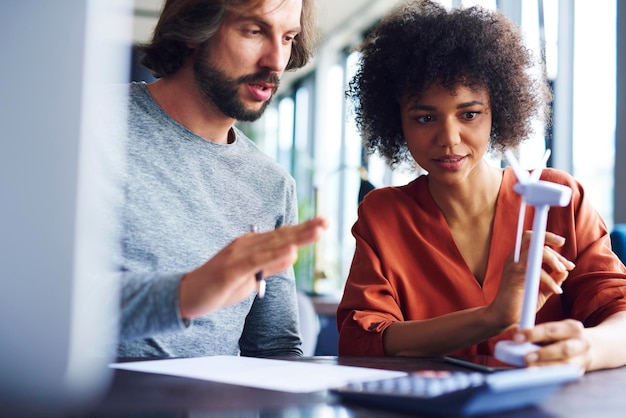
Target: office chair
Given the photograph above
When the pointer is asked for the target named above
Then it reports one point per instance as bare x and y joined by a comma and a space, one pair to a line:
309, 324
618, 241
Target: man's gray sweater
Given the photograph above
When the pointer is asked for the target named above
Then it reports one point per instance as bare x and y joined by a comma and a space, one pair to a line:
185, 199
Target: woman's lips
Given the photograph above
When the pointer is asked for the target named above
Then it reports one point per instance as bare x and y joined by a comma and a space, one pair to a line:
450, 162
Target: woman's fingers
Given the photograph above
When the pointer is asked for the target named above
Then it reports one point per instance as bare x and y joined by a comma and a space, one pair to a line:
553, 239
555, 267
561, 342
507, 305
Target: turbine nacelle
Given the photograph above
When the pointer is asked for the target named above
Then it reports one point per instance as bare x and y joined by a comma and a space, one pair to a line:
544, 193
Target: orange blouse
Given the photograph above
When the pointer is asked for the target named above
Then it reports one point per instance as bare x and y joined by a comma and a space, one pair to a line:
406, 264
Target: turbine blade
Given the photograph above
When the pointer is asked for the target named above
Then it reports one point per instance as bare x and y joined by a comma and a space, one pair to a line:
520, 225
534, 176
521, 174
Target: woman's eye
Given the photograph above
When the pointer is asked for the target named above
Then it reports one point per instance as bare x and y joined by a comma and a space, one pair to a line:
470, 115
425, 119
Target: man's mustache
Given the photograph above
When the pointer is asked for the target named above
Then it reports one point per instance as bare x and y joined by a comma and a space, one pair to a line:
261, 77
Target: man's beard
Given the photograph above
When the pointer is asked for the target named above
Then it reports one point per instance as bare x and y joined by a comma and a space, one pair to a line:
223, 91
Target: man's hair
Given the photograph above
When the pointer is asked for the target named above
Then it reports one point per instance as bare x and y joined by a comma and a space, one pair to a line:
195, 21
420, 44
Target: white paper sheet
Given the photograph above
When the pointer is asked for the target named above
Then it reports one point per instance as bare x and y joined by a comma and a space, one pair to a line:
279, 375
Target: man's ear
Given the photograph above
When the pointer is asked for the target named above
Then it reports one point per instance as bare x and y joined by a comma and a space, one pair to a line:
193, 47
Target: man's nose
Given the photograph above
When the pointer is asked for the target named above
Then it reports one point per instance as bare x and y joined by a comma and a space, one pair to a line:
275, 55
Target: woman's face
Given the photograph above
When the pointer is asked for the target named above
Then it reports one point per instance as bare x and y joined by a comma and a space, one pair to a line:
447, 132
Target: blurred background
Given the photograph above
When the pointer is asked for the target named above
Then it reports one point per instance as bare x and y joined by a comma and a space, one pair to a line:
309, 130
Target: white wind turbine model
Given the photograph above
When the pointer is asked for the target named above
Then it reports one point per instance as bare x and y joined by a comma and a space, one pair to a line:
540, 194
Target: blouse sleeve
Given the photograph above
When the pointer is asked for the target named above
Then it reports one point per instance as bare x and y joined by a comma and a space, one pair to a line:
596, 288
369, 304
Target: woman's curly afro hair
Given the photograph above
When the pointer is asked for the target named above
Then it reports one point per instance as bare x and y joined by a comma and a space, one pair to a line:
420, 44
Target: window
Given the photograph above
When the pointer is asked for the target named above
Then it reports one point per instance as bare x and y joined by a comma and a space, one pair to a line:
594, 104
311, 132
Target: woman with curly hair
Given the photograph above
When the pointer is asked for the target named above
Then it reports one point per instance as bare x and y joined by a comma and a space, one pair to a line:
433, 271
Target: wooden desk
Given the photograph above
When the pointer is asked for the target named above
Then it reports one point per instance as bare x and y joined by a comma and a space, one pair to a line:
598, 394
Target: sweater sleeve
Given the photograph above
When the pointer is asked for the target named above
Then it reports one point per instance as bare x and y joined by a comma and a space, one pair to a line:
271, 328
148, 302
596, 288
149, 305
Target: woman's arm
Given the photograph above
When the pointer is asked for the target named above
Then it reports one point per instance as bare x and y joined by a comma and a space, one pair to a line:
441, 335
451, 332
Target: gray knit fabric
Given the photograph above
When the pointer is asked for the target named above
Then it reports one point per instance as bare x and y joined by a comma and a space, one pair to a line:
185, 199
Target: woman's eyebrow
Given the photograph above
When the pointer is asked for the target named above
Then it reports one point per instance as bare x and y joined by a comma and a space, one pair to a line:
418, 106
470, 104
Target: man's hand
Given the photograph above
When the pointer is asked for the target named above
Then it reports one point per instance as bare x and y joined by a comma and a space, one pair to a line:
229, 276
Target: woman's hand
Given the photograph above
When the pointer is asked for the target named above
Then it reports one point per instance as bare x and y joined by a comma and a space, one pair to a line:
554, 271
567, 341
555, 268
561, 342
229, 276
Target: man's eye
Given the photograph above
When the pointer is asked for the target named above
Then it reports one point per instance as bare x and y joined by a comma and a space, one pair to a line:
291, 38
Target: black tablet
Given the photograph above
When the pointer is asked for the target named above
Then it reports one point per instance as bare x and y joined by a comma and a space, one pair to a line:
483, 363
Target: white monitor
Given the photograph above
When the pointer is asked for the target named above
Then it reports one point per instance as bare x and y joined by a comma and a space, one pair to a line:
58, 295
